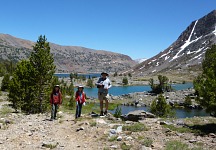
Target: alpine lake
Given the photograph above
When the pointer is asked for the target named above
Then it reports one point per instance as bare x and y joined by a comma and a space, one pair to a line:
120, 90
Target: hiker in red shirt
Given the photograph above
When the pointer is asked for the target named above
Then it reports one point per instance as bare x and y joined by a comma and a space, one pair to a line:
55, 100
80, 100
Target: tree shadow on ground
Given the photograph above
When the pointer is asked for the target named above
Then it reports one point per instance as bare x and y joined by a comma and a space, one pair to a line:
204, 129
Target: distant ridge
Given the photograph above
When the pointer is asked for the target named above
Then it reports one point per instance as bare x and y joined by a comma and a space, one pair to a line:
67, 58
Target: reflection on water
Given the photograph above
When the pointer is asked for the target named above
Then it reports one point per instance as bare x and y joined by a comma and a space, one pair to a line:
180, 112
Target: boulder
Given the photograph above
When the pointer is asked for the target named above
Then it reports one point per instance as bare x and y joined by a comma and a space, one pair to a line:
137, 115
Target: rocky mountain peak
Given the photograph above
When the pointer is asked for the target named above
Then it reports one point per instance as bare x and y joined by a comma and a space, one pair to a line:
187, 51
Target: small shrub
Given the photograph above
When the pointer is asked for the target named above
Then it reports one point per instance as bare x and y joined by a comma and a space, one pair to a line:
124, 146
187, 101
135, 127
5, 110
147, 142
90, 83
160, 107
180, 129
50, 146
125, 81
118, 112
112, 138
176, 145
93, 124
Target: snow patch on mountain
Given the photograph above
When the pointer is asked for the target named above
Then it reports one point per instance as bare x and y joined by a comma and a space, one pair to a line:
140, 60
214, 32
187, 42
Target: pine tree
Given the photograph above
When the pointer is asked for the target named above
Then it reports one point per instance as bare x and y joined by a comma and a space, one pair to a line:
125, 81
5, 82
162, 86
205, 84
43, 62
160, 108
22, 87
90, 83
71, 103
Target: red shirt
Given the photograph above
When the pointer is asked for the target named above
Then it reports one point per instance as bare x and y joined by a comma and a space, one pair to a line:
80, 97
56, 98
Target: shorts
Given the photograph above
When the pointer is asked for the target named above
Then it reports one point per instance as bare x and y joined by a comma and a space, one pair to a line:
102, 96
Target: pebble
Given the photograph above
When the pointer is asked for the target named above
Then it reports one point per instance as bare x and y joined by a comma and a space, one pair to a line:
114, 146
101, 121
1, 125
113, 131
119, 129
128, 122
119, 138
212, 135
128, 138
192, 141
146, 148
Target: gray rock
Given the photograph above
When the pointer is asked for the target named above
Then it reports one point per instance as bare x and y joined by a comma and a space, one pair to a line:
212, 135
115, 97
214, 140
192, 141
146, 148
128, 122
128, 138
119, 129
138, 105
81, 128
165, 123
1, 125
114, 146
119, 138
52, 144
113, 131
137, 115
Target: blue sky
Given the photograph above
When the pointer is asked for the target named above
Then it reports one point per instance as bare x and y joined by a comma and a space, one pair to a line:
138, 28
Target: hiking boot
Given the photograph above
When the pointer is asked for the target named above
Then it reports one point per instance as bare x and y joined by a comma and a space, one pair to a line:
105, 112
101, 113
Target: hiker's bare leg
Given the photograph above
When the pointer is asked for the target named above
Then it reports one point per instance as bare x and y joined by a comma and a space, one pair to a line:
101, 105
106, 105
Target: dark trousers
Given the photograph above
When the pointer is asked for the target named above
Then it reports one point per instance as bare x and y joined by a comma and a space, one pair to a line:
78, 110
54, 111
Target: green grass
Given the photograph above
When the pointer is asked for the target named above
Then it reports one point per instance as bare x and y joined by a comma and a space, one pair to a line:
50, 146
147, 142
125, 147
198, 126
93, 124
135, 127
5, 110
112, 138
179, 129
176, 145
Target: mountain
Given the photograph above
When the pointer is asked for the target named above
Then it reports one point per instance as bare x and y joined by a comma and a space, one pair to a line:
186, 52
140, 60
67, 58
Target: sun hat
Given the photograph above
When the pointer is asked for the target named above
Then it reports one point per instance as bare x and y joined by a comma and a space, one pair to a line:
80, 86
105, 73
57, 86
